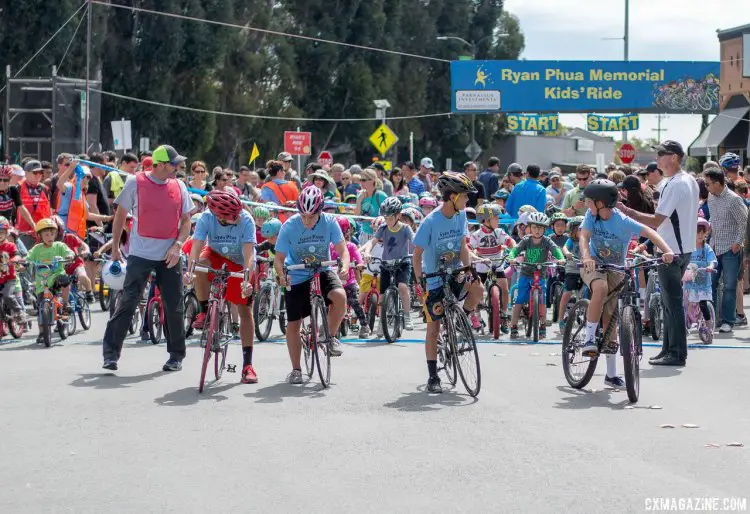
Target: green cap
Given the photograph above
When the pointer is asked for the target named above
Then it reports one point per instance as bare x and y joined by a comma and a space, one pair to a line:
166, 153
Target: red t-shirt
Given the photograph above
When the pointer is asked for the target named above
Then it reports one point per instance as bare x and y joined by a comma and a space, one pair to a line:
8, 250
74, 243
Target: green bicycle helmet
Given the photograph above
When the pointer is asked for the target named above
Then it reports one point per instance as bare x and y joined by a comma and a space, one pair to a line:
557, 217
575, 221
261, 212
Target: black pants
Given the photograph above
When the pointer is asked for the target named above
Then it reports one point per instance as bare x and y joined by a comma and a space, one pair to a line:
169, 281
670, 279
352, 298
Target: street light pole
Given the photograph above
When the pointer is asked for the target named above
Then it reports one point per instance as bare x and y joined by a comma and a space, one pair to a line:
88, 78
626, 41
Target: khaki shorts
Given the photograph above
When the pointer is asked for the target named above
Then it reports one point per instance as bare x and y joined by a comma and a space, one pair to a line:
613, 280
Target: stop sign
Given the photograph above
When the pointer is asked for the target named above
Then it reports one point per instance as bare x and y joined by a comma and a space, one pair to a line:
627, 153
325, 159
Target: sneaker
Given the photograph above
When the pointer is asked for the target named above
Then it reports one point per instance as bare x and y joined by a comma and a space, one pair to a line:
379, 331
616, 382
725, 328
295, 377
433, 385
235, 329
90, 297
741, 321
364, 331
504, 328
590, 349
408, 325
172, 365
475, 323
200, 320
335, 347
542, 332
514, 333
110, 365
248, 375
145, 336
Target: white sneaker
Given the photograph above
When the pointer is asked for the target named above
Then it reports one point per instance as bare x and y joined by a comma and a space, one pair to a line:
379, 331
295, 377
336, 348
408, 325
725, 328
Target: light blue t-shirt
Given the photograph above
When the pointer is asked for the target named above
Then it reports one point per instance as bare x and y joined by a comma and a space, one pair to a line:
303, 245
440, 237
226, 240
610, 238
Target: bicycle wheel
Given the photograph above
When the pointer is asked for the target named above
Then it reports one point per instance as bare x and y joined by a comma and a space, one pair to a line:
84, 312
656, 316
307, 347
155, 328
103, 293
535, 298
577, 368
46, 319
135, 321
262, 313
344, 327
495, 311
631, 351
282, 314
446, 350
372, 310
191, 311
16, 329
467, 356
207, 336
706, 328
389, 317
63, 327
224, 333
557, 291
320, 337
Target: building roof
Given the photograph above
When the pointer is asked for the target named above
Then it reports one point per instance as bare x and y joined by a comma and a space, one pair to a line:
733, 33
575, 132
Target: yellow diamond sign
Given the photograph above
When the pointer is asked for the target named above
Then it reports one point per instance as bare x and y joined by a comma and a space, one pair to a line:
383, 139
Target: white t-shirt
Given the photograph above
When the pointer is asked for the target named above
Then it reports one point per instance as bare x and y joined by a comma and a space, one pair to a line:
679, 203
661, 184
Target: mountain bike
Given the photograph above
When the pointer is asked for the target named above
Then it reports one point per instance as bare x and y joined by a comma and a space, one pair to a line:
493, 303
312, 345
579, 369
530, 313
269, 302
457, 349
392, 319
77, 300
217, 330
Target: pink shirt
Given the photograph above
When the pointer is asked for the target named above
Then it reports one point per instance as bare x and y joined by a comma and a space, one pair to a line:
354, 257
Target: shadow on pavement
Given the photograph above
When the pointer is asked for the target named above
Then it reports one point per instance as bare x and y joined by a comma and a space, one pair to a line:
191, 396
582, 399
107, 380
421, 401
660, 371
277, 392
374, 344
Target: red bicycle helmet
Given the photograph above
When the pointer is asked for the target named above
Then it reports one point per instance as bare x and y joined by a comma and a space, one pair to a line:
310, 201
5, 170
224, 204
344, 224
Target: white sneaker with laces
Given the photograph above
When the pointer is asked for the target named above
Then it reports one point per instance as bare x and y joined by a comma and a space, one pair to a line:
295, 377
336, 348
408, 325
725, 328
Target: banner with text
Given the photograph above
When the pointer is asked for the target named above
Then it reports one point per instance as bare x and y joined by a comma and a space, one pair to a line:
532, 122
585, 86
598, 123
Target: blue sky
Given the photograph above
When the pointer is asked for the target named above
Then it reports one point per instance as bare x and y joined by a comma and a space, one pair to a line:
679, 30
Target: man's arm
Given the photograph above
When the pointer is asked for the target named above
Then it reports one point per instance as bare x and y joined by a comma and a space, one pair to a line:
655, 238
24, 213
117, 225
739, 214
416, 262
650, 220
465, 254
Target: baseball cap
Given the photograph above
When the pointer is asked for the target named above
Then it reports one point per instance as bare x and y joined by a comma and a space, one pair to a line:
671, 147
17, 171
166, 153
630, 182
426, 162
285, 157
378, 166
515, 169
651, 167
32, 166
147, 164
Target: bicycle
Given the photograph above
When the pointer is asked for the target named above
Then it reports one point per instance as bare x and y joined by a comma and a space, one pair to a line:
494, 305
155, 315
555, 288
578, 369
50, 306
77, 300
693, 314
269, 303
311, 345
530, 312
653, 306
217, 332
191, 309
136, 319
7, 319
392, 319
372, 300
457, 348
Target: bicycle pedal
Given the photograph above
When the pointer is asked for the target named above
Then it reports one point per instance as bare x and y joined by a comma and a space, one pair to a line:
231, 368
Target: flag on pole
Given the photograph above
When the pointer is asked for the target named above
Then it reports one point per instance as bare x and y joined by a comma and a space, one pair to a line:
254, 154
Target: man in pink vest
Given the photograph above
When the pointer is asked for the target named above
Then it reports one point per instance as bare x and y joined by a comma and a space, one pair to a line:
161, 207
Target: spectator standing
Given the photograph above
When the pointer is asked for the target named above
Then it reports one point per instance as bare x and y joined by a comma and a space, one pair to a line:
242, 183
655, 177
368, 201
399, 184
728, 227
557, 188
412, 182
490, 177
475, 199
279, 190
199, 176
115, 180
573, 204
528, 192
425, 168
289, 173
380, 171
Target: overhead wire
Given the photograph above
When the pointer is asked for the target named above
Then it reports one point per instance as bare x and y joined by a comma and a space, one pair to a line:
72, 39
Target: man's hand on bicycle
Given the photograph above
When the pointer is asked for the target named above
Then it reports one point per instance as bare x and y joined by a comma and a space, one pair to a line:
344, 272
561, 262
283, 280
668, 257
589, 264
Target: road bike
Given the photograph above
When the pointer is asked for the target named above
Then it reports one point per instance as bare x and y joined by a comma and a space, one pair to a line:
269, 303
315, 336
392, 318
693, 314
457, 349
579, 369
217, 330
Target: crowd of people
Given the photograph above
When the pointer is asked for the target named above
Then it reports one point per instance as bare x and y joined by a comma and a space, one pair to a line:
165, 217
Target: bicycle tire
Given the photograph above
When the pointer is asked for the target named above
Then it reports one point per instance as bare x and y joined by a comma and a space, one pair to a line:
372, 310
535, 298
495, 311
389, 315
282, 314
62, 327
103, 293
656, 317
307, 350
446, 350
321, 349
631, 353
262, 313
16, 329
134, 321
707, 336
467, 355
571, 346
557, 291
46, 319
155, 328
207, 345
343, 327
191, 309
224, 330
84, 314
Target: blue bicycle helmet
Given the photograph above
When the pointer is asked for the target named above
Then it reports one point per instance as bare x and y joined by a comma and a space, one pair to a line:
270, 228
729, 161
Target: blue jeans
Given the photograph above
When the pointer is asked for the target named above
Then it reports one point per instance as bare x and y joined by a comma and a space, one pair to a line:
729, 267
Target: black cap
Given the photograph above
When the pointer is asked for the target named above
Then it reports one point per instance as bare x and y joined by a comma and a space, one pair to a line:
670, 146
642, 171
32, 166
630, 182
378, 166
651, 167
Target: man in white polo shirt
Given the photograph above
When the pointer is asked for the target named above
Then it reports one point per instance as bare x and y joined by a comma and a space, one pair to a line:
676, 221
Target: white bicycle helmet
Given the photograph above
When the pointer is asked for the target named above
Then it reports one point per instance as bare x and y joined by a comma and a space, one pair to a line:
538, 218
390, 206
113, 274
310, 201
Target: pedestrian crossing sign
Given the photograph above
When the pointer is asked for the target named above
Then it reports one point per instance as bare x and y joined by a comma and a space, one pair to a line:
383, 139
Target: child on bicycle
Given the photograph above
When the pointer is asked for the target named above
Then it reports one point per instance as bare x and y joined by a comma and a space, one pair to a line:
572, 253
270, 232
604, 238
351, 285
396, 238
559, 224
489, 241
704, 259
81, 250
537, 248
8, 257
47, 252
369, 270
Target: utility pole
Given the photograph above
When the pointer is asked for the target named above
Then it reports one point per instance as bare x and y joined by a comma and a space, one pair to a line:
658, 128
626, 41
88, 79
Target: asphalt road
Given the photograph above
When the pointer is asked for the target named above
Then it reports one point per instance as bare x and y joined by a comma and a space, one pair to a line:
76, 439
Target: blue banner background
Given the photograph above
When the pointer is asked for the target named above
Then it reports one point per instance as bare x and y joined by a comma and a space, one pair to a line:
583, 86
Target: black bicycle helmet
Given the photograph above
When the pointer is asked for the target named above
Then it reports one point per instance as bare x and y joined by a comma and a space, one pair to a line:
602, 190
451, 182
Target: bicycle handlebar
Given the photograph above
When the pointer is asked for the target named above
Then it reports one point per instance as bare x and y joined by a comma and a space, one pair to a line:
312, 266
447, 271
221, 272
